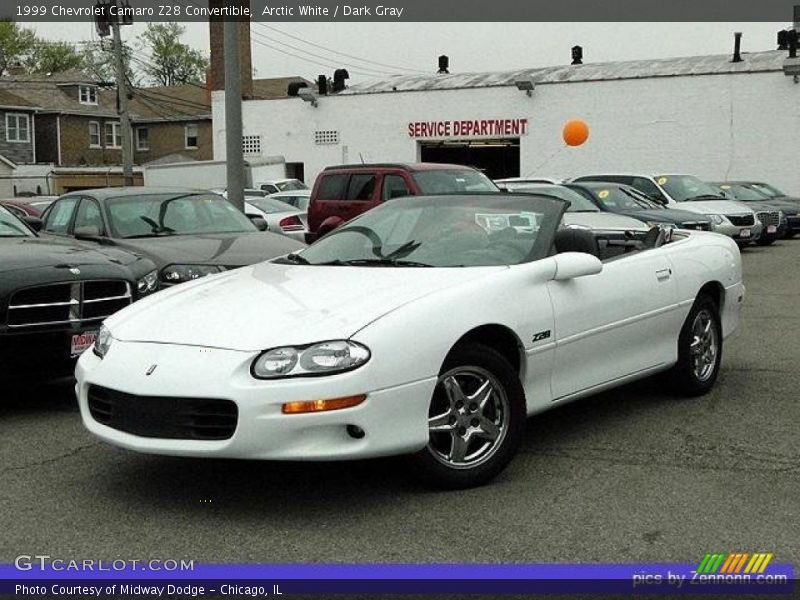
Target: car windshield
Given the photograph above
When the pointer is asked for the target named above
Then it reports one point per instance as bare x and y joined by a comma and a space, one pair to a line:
685, 188
769, 190
270, 205
577, 203
299, 202
616, 198
742, 193
443, 231
151, 215
11, 226
452, 181
290, 185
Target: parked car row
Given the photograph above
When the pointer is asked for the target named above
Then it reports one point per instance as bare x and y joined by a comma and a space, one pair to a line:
748, 212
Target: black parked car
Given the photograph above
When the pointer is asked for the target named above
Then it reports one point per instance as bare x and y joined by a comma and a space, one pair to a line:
623, 199
759, 195
55, 293
187, 233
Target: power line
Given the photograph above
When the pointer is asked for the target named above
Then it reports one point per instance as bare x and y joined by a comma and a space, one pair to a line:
325, 58
328, 49
327, 65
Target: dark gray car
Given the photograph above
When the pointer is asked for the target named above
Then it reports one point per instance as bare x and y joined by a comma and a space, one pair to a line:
187, 233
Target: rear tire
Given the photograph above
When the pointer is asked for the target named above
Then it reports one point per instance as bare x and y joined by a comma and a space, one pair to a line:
476, 419
699, 349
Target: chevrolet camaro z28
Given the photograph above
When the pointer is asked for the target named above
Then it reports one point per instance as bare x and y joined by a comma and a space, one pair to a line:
429, 326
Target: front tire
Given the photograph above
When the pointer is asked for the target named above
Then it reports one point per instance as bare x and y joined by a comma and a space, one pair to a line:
699, 349
476, 419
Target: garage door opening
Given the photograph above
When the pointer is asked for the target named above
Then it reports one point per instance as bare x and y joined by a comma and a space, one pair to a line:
496, 158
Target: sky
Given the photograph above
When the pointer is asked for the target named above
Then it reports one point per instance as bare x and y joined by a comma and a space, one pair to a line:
379, 49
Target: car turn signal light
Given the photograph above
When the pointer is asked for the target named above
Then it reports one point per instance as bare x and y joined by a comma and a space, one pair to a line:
295, 408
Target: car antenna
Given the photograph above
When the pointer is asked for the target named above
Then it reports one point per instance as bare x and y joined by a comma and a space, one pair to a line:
361, 156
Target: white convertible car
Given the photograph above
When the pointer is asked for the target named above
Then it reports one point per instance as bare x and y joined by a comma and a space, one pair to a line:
429, 326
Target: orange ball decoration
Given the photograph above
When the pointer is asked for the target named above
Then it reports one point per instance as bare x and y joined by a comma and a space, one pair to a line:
576, 132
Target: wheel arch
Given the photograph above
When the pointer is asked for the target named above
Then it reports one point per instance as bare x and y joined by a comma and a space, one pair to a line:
498, 337
715, 290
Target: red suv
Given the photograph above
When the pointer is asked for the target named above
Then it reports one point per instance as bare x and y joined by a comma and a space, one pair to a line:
344, 192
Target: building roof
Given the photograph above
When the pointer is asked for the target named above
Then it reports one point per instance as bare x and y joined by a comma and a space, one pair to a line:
10, 100
56, 92
170, 103
276, 87
753, 62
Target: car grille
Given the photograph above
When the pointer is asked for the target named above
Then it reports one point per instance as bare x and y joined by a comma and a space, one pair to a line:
72, 302
698, 225
769, 218
741, 220
163, 417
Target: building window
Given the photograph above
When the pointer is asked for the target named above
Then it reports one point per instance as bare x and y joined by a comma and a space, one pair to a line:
94, 134
251, 145
142, 138
113, 135
87, 94
326, 136
191, 136
18, 127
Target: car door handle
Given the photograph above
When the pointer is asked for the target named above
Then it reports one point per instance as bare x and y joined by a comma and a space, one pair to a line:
663, 274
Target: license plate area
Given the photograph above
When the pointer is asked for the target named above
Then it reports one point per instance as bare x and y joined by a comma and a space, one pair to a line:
81, 342
744, 233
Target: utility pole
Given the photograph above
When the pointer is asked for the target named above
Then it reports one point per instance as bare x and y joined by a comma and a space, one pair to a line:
233, 114
104, 21
122, 107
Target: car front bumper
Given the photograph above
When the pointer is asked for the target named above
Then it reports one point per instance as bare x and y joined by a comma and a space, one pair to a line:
739, 233
393, 419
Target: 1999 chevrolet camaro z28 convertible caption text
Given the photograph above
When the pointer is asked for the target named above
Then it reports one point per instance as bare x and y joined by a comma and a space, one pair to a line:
429, 326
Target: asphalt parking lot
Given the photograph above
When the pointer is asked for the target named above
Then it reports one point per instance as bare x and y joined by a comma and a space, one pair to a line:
636, 474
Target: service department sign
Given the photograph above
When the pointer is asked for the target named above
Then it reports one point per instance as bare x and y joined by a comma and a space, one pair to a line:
468, 128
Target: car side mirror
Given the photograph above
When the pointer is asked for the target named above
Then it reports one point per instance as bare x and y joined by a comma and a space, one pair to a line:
34, 223
89, 232
570, 265
260, 223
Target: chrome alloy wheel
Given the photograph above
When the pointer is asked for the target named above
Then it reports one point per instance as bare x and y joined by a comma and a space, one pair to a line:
468, 418
705, 345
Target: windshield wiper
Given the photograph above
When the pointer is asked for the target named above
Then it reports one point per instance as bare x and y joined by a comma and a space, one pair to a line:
296, 258
377, 262
704, 197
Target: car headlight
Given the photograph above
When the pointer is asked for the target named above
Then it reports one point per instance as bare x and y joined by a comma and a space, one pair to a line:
716, 219
148, 283
182, 273
324, 358
102, 343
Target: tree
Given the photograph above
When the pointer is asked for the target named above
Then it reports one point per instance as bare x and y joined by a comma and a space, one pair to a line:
171, 61
53, 57
16, 43
99, 60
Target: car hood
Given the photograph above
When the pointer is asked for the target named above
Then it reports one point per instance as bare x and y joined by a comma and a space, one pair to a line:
602, 220
715, 207
789, 208
668, 215
32, 253
227, 249
268, 305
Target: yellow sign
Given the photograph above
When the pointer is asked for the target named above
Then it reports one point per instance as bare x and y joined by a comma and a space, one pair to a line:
603, 194
662, 180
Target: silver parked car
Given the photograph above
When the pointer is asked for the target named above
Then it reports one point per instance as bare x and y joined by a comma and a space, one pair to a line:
297, 198
280, 216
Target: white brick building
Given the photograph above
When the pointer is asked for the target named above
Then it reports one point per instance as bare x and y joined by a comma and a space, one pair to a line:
704, 115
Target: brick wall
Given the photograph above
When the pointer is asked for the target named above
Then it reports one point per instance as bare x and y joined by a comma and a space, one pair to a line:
17, 152
164, 139
170, 138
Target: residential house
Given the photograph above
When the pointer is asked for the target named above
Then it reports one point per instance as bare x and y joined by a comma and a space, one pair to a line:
77, 129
